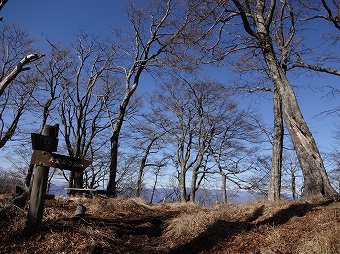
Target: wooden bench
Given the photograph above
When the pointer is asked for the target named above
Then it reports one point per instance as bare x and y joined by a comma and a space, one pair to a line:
88, 192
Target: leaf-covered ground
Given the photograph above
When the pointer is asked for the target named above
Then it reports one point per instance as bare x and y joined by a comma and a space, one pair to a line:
133, 226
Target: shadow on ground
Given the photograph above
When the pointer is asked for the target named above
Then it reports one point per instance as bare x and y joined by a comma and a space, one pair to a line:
222, 230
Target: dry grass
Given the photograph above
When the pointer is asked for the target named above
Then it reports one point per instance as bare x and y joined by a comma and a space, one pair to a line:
117, 207
258, 227
134, 226
4, 198
324, 237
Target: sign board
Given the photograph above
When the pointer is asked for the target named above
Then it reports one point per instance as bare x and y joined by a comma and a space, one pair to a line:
44, 143
47, 159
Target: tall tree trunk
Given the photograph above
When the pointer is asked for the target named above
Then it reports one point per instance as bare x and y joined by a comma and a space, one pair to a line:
224, 188
315, 177
111, 185
194, 184
193, 188
140, 180
275, 176
182, 186
316, 181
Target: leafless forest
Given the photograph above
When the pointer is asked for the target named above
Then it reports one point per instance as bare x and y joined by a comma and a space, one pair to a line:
136, 105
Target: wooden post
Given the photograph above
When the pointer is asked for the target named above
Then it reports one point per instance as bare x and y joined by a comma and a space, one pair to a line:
39, 187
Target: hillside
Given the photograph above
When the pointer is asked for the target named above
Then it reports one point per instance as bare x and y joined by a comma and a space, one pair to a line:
133, 226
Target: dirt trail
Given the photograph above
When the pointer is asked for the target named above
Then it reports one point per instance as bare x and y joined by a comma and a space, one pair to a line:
132, 235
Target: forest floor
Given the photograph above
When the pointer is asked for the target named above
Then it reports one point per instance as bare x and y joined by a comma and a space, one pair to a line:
134, 226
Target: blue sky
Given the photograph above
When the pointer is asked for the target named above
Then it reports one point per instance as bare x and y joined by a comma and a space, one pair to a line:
61, 20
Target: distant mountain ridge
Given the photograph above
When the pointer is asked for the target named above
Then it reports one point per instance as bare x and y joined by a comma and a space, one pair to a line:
206, 197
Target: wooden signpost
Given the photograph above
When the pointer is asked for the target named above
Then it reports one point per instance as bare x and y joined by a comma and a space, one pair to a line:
43, 157
45, 143
47, 159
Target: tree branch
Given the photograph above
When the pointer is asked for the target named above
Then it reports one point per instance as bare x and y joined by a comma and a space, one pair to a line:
316, 68
244, 18
17, 69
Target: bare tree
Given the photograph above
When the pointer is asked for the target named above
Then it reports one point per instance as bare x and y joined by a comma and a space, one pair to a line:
201, 124
324, 10
14, 58
85, 93
127, 173
284, 31
326, 59
175, 113
285, 19
15, 45
292, 169
157, 172
94, 176
232, 151
156, 29
257, 36
150, 142
14, 102
51, 75
187, 103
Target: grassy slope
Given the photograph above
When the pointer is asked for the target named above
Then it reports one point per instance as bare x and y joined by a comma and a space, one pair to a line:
132, 226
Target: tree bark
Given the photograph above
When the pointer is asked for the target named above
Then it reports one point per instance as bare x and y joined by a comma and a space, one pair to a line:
224, 188
193, 185
275, 177
182, 186
111, 185
316, 181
